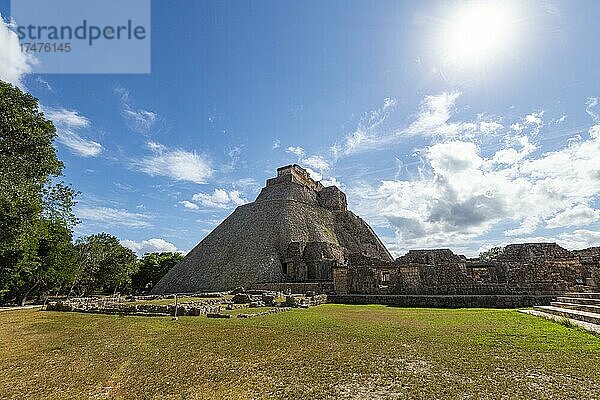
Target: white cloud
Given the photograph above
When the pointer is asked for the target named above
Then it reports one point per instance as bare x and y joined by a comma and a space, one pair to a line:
432, 120
511, 155
575, 240
138, 120
591, 103
595, 132
366, 136
220, 198
180, 165
189, 205
276, 144
68, 123
433, 116
64, 117
113, 217
534, 118
317, 176
448, 159
316, 162
490, 127
534, 121
560, 120
234, 157
236, 198
461, 197
156, 147
332, 181
578, 215
154, 245
579, 239
44, 83
14, 63
245, 182
528, 225
79, 145
297, 151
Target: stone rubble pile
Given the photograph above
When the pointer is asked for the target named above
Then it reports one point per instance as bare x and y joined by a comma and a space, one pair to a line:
207, 295
183, 309
211, 306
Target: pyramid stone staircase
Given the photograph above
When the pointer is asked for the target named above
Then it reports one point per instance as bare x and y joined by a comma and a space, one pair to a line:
582, 309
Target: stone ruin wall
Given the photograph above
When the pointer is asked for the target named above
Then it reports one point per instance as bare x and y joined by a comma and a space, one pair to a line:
436, 267
590, 259
305, 261
539, 262
537, 269
314, 261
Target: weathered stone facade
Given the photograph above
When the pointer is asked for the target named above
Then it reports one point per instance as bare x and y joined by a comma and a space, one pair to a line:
520, 269
295, 231
590, 260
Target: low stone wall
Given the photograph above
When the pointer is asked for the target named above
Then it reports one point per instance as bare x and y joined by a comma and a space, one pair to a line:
537, 289
183, 309
295, 287
445, 301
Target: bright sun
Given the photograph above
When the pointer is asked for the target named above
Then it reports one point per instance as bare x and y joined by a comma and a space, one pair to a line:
478, 33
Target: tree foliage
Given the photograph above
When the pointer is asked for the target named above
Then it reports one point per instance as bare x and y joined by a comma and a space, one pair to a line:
153, 266
103, 264
37, 254
491, 253
36, 216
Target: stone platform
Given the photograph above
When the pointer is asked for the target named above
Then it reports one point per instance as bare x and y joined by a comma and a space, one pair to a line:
445, 301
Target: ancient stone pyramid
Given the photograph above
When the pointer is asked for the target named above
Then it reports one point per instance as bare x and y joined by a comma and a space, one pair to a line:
295, 231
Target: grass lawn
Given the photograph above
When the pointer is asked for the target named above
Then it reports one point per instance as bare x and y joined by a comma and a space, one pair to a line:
330, 351
237, 311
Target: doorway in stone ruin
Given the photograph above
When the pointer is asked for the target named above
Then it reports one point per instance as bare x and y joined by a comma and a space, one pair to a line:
284, 268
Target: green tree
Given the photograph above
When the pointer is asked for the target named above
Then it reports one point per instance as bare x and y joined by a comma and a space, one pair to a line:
491, 253
33, 206
103, 264
52, 266
153, 266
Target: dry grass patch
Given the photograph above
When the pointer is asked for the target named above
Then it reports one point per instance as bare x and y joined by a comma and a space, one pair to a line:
330, 351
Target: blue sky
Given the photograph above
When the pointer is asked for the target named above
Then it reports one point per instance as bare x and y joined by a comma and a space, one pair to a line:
448, 124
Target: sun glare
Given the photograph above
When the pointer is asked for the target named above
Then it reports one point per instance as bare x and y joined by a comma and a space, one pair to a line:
478, 33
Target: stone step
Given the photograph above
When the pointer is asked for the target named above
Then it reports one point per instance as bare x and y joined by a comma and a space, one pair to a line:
585, 325
578, 300
585, 316
584, 295
576, 306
